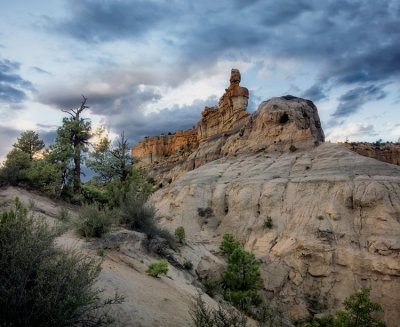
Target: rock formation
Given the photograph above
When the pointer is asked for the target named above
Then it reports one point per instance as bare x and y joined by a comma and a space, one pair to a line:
336, 223
231, 110
386, 152
230, 113
153, 150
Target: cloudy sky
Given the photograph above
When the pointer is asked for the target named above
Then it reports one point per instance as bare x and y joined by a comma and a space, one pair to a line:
150, 66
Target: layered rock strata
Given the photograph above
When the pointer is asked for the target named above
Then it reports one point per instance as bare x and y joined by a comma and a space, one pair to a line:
231, 110
335, 214
153, 150
386, 152
229, 114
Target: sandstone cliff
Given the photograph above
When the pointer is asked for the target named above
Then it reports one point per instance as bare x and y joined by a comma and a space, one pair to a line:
153, 150
169, 149
336, 223
386, 152
336, 215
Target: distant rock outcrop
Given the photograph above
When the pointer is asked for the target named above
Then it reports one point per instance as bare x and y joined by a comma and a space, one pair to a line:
153, 150
166, 148
232, 109
279, 124
386, 152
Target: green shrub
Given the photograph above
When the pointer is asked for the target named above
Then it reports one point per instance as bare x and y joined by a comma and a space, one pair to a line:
41, 285
135, 213
180, 234
156, 268
211, 287
292, 148
358, 313
204, 316
229, 244
242, 279
320, 217
188, 265
93, 222
100, 252
63, 214
268, 223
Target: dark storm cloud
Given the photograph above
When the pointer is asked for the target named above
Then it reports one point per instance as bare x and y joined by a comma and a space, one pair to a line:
314, 93
126, 111
12, 85
94, 21
351, 101
352, 44
137, 125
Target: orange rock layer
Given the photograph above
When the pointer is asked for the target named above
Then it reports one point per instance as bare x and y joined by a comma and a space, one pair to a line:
386, 152
155, 149
230, 112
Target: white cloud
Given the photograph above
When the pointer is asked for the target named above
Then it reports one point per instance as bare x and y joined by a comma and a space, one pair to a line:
352, 132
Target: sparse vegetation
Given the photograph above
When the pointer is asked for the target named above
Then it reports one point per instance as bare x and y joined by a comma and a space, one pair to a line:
211, 287
93, 221
63, 214
268, 223
204, 316
188, 265
157, 268
292, 148
41, 285
229, 244
180, 234
359, 310
205, 212
100, 252
320, 217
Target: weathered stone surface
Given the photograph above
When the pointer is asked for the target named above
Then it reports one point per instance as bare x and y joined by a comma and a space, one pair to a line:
231, 111
336, 219
386, 152
170, 148
158, 148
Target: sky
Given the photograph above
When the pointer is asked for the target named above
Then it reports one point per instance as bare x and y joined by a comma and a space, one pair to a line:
149, 67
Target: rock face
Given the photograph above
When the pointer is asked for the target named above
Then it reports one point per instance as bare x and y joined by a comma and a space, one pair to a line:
386, 152
231, 111
335, 214
152, 150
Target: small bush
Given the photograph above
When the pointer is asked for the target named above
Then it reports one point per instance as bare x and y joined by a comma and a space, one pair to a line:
100, 252
170, 181
180, 234
211, 287
188, 265
204, 316
93, 222
41, 285
156, 268
268, 223
135, 213
320, 217
205, 212
63, 214
292, 148
229, 244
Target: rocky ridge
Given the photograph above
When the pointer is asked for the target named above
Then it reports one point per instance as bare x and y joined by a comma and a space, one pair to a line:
336, 223
162, 149
336, 214
386, 152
